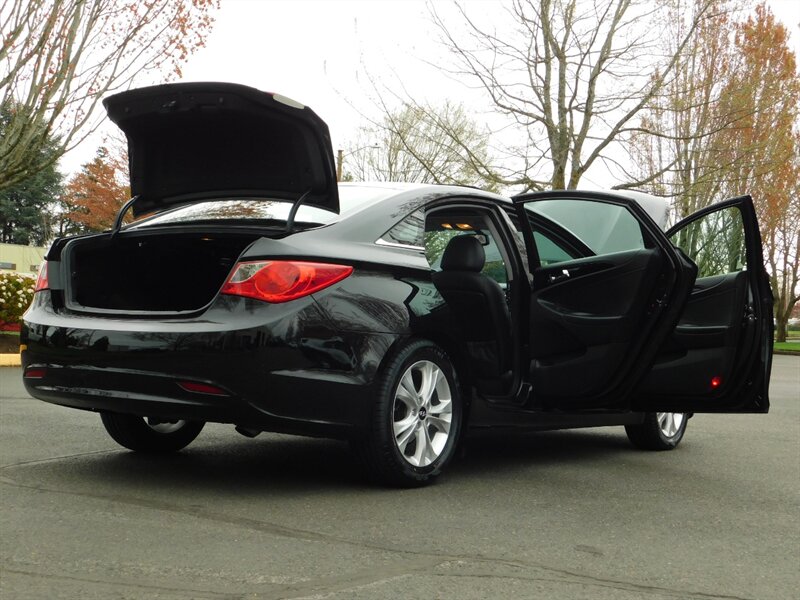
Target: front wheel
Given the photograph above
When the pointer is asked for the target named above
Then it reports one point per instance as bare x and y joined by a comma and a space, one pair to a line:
658, 431
416, 418
150, 435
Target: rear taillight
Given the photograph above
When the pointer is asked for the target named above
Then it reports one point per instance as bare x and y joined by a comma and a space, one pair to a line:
281, 281
41, 281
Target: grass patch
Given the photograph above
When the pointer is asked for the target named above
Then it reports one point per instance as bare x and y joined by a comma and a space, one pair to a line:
787, 347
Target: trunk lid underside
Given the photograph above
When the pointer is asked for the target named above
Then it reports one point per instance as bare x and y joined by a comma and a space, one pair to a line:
193, 141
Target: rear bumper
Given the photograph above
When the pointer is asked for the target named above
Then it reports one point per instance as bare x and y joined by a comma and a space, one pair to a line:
275, 367
147, 393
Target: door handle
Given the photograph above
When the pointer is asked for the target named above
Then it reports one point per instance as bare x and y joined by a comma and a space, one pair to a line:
557, 277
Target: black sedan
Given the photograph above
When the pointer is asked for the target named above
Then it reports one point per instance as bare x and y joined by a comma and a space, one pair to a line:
251, 289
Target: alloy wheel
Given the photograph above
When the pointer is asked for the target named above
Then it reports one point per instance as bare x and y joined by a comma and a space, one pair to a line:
670, 423
160, 426
422, 413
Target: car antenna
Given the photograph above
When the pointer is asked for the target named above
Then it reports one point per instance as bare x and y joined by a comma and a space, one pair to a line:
293, 211
121, 215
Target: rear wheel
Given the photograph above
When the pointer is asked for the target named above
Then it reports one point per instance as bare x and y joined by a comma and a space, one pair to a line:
150, 435
416, 419
659, 431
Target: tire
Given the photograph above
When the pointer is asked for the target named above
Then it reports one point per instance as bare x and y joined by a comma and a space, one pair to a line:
414, 426
658, 431
146, 435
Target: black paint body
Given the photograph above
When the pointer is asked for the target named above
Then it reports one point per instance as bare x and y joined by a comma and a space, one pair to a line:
307, 366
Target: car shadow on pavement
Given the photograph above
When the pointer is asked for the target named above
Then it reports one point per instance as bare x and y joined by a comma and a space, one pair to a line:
286, 465
520, 452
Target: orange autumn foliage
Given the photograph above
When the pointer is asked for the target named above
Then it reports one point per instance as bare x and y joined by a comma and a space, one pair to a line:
95, 194
763, 147
731, 126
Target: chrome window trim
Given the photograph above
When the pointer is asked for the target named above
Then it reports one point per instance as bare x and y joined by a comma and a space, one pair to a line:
383, 242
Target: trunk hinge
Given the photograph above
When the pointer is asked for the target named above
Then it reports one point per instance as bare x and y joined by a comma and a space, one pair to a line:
293, 212
121, 215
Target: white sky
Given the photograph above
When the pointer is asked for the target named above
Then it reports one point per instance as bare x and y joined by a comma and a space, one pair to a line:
322, 53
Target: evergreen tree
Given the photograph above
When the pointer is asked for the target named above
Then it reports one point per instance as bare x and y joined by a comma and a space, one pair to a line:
24, 217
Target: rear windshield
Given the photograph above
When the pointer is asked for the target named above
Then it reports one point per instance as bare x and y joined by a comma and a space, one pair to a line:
266, 211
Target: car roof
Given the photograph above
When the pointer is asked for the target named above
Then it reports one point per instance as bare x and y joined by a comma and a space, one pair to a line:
655, 206
383, 190
399, 199
390, 202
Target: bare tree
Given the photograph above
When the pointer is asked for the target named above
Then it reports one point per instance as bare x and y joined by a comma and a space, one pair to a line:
423, 144
60, 57
675, 149
572, 74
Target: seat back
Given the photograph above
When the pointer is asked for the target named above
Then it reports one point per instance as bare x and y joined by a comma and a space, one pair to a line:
478, 305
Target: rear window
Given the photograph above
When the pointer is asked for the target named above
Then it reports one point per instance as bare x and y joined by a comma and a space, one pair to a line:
237, 210
249, 209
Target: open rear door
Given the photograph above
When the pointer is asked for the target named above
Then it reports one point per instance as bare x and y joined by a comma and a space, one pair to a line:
718, 357
602, 305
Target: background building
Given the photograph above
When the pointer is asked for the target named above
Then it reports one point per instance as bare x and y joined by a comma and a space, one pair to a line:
22, 259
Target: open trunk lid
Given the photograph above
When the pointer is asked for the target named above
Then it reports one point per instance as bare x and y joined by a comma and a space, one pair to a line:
193, 141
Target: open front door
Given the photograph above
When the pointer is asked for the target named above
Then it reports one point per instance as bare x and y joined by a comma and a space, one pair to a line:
607, 289
718, 357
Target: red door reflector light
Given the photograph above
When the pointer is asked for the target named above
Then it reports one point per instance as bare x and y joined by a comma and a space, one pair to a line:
716, 381
280, 280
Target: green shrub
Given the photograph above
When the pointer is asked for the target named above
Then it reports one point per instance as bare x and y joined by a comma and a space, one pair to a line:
16, 295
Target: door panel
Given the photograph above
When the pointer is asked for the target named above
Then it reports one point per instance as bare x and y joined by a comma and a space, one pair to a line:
590, 317
598, 303
718, 357
585, 321
704, 342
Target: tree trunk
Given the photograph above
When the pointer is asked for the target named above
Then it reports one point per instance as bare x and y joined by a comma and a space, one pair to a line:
781, 326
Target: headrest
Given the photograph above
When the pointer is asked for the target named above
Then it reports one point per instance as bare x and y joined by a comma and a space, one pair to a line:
463, 253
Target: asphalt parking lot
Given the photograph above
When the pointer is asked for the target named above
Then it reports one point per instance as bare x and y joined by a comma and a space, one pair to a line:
576, 514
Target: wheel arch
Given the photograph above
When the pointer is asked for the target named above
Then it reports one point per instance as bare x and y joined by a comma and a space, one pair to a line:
451, 348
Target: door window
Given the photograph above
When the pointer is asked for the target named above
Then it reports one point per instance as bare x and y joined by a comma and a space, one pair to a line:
553, 245
715, 242
550, 252
603, 228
